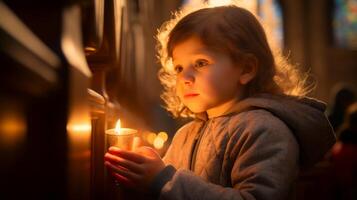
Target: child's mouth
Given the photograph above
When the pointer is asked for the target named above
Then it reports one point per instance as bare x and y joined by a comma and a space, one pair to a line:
190, 95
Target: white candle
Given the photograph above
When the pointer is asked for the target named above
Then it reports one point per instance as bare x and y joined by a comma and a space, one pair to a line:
120, 137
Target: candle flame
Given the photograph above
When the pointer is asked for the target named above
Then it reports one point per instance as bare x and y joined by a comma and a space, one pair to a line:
117, 127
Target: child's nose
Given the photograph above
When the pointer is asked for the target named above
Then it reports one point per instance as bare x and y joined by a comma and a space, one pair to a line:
187, 77
188, 82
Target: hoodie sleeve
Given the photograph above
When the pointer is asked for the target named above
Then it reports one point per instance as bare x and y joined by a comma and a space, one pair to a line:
263, 157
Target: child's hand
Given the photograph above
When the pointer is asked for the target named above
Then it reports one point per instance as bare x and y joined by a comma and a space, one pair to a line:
135, 169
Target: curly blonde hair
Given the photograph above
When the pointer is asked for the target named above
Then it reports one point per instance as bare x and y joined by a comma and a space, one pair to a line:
236, 32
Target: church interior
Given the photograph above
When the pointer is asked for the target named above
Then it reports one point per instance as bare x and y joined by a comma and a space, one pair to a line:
70, 69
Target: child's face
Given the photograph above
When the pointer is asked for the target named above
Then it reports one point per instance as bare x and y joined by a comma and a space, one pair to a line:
207, 81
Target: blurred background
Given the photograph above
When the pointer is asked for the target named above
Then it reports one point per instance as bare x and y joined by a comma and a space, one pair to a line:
71, 68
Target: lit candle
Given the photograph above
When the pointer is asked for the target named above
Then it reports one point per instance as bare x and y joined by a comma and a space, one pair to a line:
120, 137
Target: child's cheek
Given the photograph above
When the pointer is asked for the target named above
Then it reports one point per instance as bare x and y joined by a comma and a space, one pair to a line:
179, 91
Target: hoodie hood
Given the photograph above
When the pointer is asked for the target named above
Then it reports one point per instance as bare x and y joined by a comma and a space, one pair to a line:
304, 116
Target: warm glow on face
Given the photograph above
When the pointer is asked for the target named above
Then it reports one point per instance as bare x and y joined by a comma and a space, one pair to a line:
118, 127
212, 88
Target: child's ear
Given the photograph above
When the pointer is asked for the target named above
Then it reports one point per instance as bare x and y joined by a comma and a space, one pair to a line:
249, 71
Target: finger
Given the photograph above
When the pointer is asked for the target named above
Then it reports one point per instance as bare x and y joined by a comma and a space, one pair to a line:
128, 155
132, 166
136, 143
110, 167
114, 148
122, 180
147, 151
123, 172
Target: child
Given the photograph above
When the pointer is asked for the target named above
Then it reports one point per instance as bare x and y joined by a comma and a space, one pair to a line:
252, 127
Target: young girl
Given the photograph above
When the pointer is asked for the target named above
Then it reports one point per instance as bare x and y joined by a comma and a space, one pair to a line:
252, 127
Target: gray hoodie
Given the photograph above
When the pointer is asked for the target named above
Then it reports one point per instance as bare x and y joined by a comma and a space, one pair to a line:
253, 151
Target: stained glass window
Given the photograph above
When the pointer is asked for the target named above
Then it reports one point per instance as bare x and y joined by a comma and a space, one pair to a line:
271, 14
345, 23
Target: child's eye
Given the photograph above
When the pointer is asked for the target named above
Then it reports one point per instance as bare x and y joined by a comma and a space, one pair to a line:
201, 63
178, 69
